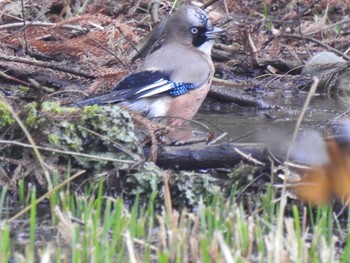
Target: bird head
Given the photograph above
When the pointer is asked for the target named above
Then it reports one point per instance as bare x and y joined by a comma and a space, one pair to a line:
190, 25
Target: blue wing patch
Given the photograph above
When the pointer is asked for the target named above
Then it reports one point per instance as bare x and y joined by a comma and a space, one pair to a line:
181, 88
153, 83
140, 85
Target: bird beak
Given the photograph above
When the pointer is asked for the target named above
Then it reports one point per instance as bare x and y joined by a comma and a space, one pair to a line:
215, 33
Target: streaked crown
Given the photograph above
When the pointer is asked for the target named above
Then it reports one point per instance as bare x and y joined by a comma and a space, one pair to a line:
188, 25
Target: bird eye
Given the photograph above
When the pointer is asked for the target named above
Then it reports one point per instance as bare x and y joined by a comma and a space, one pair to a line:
194, 30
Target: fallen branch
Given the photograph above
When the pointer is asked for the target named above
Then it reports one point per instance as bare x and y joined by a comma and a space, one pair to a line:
319, 42
44, 64
95, 157
228, 95
210, 156
46, 24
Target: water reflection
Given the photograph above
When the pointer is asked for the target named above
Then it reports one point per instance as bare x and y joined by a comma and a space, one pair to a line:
245, 124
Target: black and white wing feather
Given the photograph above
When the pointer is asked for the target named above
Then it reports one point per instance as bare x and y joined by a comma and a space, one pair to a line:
140, 85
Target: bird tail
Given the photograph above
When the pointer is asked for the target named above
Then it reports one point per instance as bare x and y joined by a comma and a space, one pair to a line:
101, 100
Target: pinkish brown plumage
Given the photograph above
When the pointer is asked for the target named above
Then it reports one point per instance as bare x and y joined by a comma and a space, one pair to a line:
173, 80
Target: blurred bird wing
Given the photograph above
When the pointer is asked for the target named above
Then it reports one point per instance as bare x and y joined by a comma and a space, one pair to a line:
144, 84
112, 97
138, 85
159, 87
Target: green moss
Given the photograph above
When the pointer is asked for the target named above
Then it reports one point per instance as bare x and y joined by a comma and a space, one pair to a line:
193, 186
93, 109
53, 139
5, 116
54, 107
92, 130
146, 179
31, 114
185, 185
24, 89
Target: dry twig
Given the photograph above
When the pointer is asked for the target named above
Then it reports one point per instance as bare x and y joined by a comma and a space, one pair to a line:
46, 65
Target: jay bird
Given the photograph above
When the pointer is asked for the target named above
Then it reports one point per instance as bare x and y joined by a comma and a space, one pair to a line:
174, 79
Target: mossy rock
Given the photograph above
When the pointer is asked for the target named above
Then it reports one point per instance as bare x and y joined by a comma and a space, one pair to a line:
104, 132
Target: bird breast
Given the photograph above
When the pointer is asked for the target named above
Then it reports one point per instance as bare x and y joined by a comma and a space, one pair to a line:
187, 65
